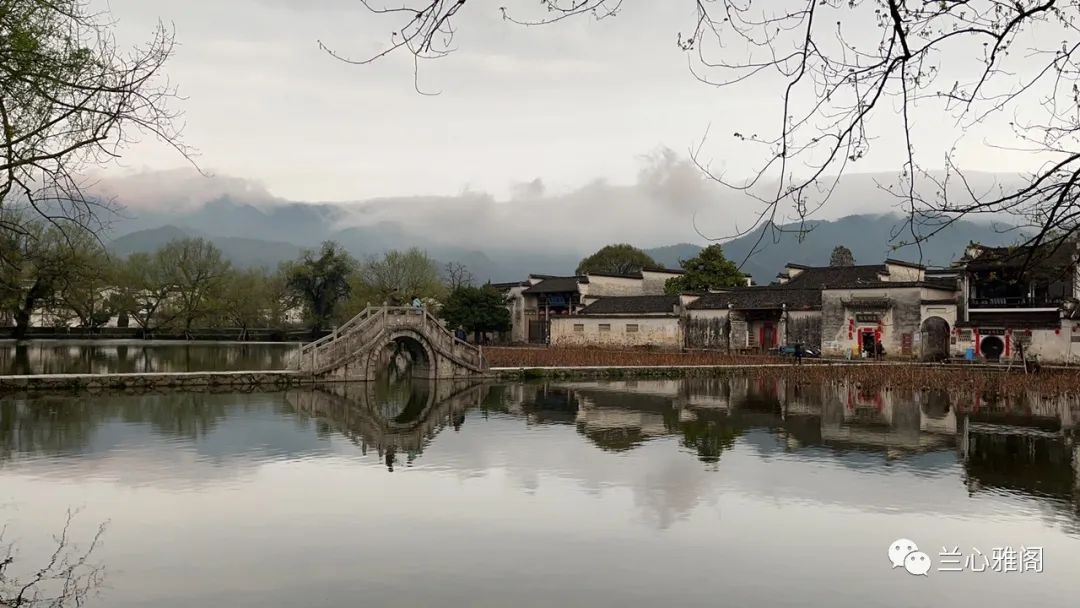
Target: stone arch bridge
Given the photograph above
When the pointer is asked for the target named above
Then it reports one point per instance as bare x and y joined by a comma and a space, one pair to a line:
366, 345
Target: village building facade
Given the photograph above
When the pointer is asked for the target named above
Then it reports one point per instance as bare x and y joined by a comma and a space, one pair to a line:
857, 311
630, 321
992, 305
754, 319
534, 303
1019, 301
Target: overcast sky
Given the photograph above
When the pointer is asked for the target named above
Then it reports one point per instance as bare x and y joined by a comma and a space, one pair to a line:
566, 104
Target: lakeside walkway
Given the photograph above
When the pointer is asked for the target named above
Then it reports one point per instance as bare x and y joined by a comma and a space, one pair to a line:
289, 378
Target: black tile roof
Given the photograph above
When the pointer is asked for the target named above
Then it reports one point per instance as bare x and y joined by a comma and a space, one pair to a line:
773, 297
828, 276
636, 275
1045, 260
616, 275
934, 283
556, 285
896, 262
632, 305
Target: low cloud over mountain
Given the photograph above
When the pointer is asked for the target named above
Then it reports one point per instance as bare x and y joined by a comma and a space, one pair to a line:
537, 230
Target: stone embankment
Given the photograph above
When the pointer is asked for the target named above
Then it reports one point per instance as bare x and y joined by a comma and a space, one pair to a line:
152, 381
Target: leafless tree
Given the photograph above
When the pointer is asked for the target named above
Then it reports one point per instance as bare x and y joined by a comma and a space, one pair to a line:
67, 579
848, 71
72, 99
456, 275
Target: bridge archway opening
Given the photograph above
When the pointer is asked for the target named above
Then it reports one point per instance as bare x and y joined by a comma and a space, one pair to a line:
404, 356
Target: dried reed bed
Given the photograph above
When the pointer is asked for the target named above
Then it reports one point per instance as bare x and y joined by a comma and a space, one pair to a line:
591, 357
952, 379
903, 376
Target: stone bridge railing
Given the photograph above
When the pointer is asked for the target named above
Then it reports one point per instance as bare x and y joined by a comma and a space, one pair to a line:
365, 330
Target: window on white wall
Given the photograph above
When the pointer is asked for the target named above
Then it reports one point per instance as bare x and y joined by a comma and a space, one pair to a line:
631, 328
579, 327
605, 327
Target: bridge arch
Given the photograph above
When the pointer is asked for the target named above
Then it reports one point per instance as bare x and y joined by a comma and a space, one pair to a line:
366, 345
411, 343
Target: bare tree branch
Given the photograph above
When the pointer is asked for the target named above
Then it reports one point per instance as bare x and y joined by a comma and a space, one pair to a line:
70, 100
850, 71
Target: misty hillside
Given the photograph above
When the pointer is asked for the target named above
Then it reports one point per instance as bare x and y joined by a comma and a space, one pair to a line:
544, 233
242, 252
868, 237
670, 256
246, 252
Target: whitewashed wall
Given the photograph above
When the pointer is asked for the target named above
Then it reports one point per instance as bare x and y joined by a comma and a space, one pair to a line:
657, 332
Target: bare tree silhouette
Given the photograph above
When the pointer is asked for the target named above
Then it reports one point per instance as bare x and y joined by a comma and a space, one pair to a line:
67, 579
847, 70
72, 99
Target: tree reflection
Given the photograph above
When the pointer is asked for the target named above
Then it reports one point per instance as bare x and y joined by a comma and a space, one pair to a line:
89, 357
709, 438
66, 424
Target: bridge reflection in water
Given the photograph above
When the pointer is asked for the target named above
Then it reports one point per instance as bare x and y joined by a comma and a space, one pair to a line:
395, 415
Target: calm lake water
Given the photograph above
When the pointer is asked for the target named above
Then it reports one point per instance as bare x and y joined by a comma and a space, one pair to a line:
88, 357
720, 492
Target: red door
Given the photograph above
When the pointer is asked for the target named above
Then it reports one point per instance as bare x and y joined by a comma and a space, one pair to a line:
767, 336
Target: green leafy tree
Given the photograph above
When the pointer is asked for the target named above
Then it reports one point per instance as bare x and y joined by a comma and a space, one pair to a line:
280, 298
477, 310
244, 300
86, 291
399, 276
36, 263
321, 281
708, 270
841, 256
145, 292
361, 295
617, 259
196, 270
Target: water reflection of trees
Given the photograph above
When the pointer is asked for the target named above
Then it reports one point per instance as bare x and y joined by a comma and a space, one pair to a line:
66, 424
709, 435
58, 357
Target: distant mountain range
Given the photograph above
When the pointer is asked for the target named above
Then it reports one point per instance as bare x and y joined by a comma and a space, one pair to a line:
283, 231
867, 236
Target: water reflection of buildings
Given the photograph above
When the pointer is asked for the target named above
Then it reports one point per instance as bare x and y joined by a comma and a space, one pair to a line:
394, 419
1025, 445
